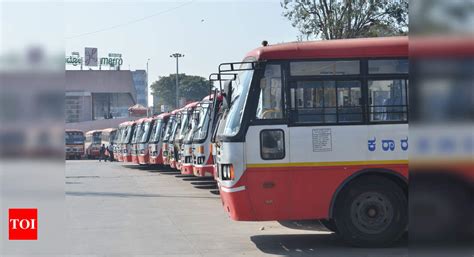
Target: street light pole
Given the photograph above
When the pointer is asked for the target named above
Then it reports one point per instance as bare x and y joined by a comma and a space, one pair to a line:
177, 56
147, 87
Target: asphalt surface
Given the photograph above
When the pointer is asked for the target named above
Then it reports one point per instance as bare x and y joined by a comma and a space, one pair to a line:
116, 209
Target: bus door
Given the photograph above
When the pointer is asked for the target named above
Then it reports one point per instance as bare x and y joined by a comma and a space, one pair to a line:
266, 149
327, 135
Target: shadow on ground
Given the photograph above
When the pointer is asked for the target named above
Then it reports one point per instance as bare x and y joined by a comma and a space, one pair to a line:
131, 195
320, 245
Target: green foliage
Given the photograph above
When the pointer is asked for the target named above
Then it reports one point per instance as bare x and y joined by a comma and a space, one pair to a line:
335, 19
192, 88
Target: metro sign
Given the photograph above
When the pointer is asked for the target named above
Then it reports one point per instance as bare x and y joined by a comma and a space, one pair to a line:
23, 224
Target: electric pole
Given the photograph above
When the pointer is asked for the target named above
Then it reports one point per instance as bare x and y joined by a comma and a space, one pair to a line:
177, 56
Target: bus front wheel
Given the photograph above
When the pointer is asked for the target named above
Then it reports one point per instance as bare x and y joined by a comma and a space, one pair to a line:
371, 211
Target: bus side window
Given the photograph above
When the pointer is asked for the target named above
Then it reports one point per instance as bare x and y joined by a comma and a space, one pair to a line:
270, 100
326, 102
272, 144
388, 100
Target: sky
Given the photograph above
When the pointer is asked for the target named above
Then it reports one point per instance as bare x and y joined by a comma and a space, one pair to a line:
206, 32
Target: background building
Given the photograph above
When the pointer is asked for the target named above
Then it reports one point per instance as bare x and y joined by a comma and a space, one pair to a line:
141, 86
96, 97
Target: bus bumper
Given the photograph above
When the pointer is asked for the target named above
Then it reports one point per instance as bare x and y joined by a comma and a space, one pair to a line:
203, 170
237, 196
144, 159
173, 164
187, 169
127, 158
135, 159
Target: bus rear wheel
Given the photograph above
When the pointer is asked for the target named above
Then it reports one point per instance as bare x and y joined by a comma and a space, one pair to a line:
371, 211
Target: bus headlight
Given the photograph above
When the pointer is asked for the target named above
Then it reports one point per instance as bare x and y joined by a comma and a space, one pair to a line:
227, 171
200, 149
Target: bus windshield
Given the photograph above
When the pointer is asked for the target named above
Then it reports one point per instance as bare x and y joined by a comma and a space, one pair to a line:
74, 138
174, 128
184, 126
126, 134
96, 138
169, 128
136, 133
145, 132
156, 126
200, 133
192, 128
116, 136
240, 89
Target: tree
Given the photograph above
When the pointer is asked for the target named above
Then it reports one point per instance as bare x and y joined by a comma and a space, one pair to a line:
191, 88
335, 19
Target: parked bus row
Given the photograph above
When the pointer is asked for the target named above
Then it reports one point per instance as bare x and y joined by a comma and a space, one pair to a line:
297, 133
80, 145
179, 139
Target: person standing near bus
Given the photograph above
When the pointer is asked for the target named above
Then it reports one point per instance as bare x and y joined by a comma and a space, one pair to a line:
102, 153
110, 149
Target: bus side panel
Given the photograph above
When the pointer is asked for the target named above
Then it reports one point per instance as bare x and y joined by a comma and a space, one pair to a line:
323, 157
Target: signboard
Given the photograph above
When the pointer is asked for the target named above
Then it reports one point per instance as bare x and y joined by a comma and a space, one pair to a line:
113, 60
91, 56
74, 59
322, 140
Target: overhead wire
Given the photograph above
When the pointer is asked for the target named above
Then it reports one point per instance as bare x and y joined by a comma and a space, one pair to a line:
131, 22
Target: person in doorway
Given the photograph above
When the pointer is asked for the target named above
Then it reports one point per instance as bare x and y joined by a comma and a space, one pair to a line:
102, 153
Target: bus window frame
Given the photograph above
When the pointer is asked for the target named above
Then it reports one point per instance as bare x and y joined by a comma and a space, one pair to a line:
250, 109
254, 102
261, 143
363, 77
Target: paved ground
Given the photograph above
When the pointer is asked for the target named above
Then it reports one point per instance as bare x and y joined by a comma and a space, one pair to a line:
123, 210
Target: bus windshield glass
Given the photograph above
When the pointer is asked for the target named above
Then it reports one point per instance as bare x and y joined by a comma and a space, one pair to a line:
136, 133
126, 134
174, 128
240, 89
112, 136
194, 122
74, 138
169, 128
156, 126
200, 133
184, 126
96, 138
145, 132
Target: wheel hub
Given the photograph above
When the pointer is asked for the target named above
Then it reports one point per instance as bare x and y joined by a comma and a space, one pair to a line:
371, 212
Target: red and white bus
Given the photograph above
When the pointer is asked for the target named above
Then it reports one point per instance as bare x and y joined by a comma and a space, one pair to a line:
186, 151
169, 136
319, 131
92, 143
126, 140
143, 154
184, 129
109, 139
202, 155
118, 148
155, 143
137, 135
117, 140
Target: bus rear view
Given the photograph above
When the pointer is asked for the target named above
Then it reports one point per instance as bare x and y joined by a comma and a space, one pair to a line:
319, 131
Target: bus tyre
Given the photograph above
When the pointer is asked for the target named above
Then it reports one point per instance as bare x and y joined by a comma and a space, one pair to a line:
371, 211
